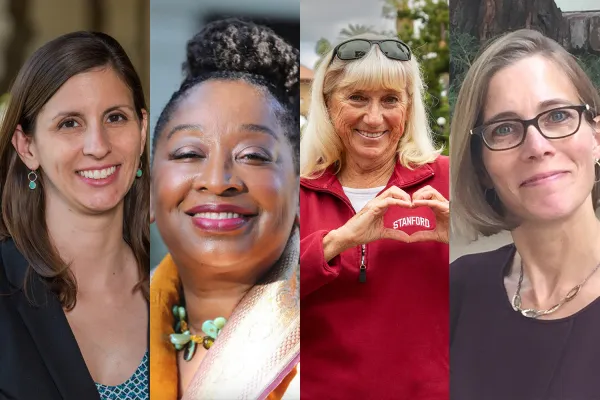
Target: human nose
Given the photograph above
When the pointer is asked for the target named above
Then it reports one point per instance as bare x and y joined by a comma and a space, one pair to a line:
219, 176
535, 145
96, 142
374, 115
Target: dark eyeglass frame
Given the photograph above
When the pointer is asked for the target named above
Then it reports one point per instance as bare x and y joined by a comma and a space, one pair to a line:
404, 46
478, 131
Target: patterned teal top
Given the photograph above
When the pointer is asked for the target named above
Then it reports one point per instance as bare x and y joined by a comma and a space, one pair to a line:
134, 388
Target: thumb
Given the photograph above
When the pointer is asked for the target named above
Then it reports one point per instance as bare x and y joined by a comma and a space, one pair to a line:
425, 236
395, 234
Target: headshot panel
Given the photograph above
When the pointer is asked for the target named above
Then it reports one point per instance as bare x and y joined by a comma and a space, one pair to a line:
225, 320
74, 182
374, 204
525, 148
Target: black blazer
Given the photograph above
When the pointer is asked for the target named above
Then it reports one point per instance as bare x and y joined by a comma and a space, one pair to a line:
39, 356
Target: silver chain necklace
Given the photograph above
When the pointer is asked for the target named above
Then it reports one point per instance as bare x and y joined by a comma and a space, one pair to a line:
531, 313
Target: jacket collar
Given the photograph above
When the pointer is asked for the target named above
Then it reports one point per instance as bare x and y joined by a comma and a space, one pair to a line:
48, 327
402, 177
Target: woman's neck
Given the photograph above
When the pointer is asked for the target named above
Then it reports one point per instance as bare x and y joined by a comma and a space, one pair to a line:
92, 245
559, 255
212, 292
359, 174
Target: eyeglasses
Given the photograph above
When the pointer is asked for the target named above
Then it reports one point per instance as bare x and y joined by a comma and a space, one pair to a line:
355, 49
507, 134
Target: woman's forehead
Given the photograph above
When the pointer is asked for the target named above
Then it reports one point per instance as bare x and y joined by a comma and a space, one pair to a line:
233, 100
526, 86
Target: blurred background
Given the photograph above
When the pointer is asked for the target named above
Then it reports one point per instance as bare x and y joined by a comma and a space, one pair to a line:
575, 24
174, 22
25, 25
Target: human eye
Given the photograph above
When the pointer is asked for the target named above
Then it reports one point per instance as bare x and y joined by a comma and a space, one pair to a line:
68, 123
186, 154
255, 156
558, 116
391, 100
504, 129
357, 97
117, 118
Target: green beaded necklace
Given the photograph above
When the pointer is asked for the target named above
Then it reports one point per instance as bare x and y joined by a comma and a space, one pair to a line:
182, 339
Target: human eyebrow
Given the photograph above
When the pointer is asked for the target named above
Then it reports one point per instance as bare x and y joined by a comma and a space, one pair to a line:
113, 108
184, 127
555, 102
541, 106
63, 114
260, 129
79, 114
502, 117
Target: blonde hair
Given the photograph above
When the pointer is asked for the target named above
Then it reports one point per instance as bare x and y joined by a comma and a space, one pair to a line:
320, 145
475, 208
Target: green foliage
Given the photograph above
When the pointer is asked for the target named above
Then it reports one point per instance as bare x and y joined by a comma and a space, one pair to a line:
591, 65
463, 50
424, 27
323, 47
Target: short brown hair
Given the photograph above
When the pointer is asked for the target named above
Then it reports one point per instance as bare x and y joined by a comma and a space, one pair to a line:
475, 208
23, 210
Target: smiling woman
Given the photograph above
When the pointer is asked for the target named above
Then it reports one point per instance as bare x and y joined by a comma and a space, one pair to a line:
374, 230
74, 229
526, 144
224, 302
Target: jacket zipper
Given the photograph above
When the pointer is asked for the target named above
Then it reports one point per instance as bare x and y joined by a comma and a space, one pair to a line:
362, 276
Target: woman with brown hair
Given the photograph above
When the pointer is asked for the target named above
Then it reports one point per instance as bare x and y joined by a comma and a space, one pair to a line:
74, 227
525, 142
224, 303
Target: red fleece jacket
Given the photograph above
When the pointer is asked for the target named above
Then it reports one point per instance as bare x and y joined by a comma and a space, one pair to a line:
387, 337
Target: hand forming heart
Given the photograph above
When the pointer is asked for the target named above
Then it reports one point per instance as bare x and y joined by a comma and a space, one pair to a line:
429, 197
367, 226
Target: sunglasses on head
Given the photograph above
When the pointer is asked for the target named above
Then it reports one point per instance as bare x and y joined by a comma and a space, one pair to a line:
355, 49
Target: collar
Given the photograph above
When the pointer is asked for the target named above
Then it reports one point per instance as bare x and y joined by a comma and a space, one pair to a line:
15, 264
48, 327
402, 177
164, 294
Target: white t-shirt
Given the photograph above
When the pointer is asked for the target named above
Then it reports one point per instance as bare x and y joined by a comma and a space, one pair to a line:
360, 197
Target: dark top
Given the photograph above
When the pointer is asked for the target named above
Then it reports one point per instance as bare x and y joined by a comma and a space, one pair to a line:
498, 354
39, 356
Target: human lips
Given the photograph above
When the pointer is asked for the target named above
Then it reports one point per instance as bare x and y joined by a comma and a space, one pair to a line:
542, 178
99, 176
220, 217
370, 134
98, 172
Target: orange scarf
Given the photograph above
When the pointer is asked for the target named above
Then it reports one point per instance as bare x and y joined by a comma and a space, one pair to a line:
164, 377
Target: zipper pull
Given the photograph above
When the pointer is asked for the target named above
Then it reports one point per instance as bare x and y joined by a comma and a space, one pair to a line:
362, 275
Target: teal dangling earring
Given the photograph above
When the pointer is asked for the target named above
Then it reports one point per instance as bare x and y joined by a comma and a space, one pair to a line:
32, 184
139, 171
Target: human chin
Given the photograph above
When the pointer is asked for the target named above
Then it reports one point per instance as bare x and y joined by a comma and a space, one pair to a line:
102, 200
102, 196
370, 150
221, 252
550, 207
